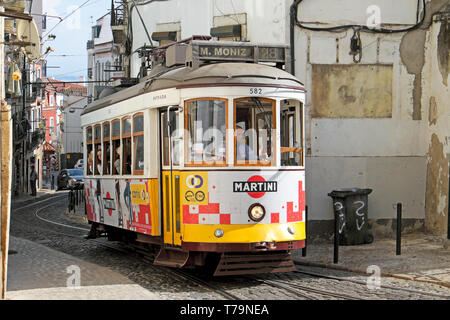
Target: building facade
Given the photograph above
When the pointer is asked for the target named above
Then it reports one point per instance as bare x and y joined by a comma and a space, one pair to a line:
103, 57
22, 56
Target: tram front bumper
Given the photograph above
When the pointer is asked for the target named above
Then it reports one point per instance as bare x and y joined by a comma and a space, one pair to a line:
282, 236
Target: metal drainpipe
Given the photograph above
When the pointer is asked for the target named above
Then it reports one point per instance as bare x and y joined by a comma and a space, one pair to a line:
293, 16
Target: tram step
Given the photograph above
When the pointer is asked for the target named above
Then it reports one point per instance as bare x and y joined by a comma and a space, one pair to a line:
236, 264
171, 258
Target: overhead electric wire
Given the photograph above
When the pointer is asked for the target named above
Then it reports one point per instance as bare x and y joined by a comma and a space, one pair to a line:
361, 27
66, 17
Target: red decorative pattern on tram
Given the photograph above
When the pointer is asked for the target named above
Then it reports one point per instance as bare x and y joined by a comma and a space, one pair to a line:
294, 216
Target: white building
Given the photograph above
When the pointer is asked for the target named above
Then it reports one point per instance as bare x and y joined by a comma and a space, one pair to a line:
103, 56
380, 123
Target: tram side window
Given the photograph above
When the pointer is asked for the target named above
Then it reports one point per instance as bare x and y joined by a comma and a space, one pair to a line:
90, 151
206, 127
115, 137
291, 133
254, 127
126, 145
98, 150
106, 148
138, 140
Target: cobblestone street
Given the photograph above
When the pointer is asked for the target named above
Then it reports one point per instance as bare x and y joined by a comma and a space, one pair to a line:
47, 240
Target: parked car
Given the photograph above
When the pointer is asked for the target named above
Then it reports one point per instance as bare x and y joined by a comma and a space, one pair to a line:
69, 178
79, 164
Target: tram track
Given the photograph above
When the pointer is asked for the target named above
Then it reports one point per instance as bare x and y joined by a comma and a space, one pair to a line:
131, 248
364, 283
302, 291
146, 255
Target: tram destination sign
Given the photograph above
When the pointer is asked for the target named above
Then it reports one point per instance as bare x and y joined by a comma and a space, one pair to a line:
238, 52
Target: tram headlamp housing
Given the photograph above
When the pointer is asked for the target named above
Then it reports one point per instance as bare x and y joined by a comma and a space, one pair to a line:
218, 233
256, 212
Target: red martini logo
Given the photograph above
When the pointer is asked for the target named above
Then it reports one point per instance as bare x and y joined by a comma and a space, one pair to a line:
255, 186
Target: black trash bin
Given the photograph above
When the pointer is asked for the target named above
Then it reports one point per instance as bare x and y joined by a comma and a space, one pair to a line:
351, 210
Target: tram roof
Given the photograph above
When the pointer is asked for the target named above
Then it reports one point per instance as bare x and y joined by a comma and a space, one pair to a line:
215, 74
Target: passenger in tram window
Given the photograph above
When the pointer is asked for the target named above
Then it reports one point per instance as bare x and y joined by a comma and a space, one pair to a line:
99, 161
108, 159
91, 162
243, 151
117, 162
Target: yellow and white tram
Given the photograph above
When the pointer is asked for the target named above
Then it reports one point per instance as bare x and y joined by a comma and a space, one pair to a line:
202, 160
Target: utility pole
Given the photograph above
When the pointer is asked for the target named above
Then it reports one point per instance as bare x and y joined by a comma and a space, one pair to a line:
6, 168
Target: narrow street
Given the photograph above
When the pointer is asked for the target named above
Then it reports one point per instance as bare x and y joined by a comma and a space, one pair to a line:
47, 237
177, 151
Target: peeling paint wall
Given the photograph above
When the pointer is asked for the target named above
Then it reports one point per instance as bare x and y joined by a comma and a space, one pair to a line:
436, 93
347, 144
351, 91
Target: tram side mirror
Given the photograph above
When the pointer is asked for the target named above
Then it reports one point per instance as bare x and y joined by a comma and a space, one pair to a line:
176, 109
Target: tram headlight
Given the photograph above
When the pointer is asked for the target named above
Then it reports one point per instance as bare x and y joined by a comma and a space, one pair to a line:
256, 212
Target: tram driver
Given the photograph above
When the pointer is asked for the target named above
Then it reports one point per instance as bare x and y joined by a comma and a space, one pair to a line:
243, 151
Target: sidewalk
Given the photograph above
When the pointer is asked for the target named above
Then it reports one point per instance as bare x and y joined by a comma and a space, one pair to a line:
423, 258
36, 272
25, 199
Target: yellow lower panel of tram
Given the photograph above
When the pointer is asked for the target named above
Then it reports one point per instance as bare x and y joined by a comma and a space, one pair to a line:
244, 233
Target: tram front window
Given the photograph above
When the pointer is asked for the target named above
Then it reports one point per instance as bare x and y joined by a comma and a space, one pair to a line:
254, 124
206, 127
291, 133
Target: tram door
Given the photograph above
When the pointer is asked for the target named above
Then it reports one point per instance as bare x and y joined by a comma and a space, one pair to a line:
171, 177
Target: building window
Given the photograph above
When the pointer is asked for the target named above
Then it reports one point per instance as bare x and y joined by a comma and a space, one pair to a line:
254, 131
206, 126
126, 145
52, 100
106, 148
115, 137
52, 125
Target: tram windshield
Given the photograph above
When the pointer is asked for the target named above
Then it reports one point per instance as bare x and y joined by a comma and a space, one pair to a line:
254, 127
206, 127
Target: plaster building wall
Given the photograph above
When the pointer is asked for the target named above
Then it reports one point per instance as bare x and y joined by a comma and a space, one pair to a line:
102, 55
71, 133
367, 125
381, 123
